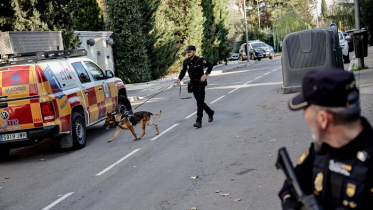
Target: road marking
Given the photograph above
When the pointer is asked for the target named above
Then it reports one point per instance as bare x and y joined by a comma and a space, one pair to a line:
164, 132
116, 163
191, 115
258, 77
217, 99
248, 82
57, 201
233, 90
266, 73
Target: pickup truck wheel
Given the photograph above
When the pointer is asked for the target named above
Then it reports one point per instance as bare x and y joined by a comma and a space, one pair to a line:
123, 105
259, 59
78, 131
4, 151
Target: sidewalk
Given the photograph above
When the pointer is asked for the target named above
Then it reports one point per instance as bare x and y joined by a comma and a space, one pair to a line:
138, 91
364, 80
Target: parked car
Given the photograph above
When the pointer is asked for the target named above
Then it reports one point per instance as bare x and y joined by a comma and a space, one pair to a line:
234, 56
351, 34
344, 45
257, 49
55, 94
349, 40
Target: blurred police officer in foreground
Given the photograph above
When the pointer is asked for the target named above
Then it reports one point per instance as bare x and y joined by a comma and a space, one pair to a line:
195, 64
338, 167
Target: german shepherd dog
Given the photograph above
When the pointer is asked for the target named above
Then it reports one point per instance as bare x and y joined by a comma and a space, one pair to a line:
122, 121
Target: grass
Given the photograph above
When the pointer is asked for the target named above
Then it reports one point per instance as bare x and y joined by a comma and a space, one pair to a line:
358, 68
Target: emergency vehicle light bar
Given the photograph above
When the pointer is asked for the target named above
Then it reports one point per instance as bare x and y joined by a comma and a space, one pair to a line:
32, 57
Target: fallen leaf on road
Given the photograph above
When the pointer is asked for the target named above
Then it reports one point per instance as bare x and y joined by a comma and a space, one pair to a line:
134, 166
270, 155
194, 177
237, 136
7, 178
193, 208
1, 188
260, 186
167, 202
273, 140
217, 191
42, 159
236, 200
225, 194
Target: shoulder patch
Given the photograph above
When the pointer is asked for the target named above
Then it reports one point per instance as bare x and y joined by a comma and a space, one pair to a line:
303, 157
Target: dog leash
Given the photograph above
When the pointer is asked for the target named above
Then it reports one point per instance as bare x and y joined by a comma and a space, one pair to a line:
161, 90
189, 97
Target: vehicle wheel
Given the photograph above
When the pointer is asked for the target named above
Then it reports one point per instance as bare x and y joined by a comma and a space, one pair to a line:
271, 57
123, 105
347, 58
78, 131
4, 151
259, 59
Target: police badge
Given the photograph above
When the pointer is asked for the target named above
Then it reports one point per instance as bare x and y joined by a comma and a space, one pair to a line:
318, 182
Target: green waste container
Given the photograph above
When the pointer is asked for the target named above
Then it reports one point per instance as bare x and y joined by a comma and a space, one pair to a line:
361, 43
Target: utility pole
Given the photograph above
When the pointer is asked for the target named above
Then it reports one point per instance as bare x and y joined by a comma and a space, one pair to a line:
247, 36
357, 27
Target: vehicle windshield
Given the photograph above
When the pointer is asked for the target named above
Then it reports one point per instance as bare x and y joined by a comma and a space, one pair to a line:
256, 45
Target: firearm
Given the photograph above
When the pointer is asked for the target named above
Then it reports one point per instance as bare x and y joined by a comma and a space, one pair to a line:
283, 162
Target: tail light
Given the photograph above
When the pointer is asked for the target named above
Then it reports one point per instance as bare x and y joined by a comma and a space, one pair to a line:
47, 111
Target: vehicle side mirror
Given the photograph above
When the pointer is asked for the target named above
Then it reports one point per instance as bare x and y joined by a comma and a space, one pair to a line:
348, 37
109, 74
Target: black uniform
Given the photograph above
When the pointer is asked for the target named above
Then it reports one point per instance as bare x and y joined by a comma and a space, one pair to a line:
340, 178
195, 71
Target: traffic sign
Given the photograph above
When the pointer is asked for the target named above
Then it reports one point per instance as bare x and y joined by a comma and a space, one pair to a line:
333, 25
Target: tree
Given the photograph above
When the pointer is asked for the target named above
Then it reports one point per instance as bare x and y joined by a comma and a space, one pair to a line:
58, 15
291, 16
342, 13
366, 17
90, 16
324, 10
130, 56
215, 32
165, 50
187, 18
21, 15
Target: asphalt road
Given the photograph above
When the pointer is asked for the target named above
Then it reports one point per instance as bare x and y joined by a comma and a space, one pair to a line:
233, 156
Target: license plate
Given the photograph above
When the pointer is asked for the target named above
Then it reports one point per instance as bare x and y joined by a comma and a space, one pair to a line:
13, 136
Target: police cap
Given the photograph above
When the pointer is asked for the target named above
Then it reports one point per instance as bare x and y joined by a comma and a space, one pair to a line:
190, 48
329, 88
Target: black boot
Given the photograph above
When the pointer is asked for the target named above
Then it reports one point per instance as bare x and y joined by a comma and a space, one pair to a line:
198, 125
211, 118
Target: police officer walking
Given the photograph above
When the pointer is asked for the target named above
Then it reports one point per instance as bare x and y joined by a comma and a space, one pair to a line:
195, 64
338, 167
